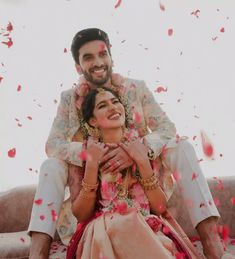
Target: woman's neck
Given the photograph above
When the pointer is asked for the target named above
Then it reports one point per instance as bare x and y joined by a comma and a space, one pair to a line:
112, 135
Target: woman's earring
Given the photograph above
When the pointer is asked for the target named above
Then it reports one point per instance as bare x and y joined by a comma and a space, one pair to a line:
93, 131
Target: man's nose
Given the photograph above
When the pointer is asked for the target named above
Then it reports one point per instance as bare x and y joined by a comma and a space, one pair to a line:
98, 62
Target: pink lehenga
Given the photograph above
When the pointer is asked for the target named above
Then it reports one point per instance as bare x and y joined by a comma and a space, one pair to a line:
124, 228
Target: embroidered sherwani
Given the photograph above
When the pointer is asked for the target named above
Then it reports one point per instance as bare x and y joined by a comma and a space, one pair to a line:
150, 120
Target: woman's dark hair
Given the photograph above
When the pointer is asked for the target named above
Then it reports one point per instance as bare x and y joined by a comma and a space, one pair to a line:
88, 104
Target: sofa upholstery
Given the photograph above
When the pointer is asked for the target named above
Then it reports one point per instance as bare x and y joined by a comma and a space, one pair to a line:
16, 205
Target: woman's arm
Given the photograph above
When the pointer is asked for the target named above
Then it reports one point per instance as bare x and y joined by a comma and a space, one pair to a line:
157, 198
83, 203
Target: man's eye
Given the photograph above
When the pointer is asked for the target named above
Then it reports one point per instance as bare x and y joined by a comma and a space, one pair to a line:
115, 101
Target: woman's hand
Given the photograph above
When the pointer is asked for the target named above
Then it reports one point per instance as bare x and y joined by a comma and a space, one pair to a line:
95, 150
137, 150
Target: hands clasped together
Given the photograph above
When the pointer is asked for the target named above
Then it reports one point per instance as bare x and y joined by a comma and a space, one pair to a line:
113, 158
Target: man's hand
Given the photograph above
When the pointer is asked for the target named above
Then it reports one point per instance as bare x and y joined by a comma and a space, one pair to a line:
116, 160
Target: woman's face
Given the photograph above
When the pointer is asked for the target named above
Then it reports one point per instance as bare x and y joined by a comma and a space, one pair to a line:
108, 113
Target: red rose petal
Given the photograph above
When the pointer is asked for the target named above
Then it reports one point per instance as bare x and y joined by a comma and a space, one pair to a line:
180, 255
29, 117
42, 217
217, 202
208, 149
194, 176
118, 3
9, 43
22, 239
170, 32
196, 13
160, 89
1, 79
162, 7
83, 155
222, 29
65, 50
38, 201
19, 88
137, 117
233, 200
12, 152
177, 175
9, 27
53, 215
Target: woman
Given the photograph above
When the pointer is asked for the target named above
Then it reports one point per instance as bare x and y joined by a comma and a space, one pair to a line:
119, 213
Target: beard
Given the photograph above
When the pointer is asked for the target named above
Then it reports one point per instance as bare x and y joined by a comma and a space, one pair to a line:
101, 81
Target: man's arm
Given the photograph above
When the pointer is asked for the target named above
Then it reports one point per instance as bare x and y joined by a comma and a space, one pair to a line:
58, 144
162, 129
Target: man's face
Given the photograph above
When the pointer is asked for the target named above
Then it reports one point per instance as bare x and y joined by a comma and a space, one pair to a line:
95, 62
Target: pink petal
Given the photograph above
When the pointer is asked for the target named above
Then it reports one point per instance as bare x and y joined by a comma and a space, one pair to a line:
19, 88
180, 255
217, 202
170, 32
118, 3
38, 201
1, 79
22, 239
194, 137
42, 217
121, 207
196, 13
160, 89
9, 27
29, 117
53, 215
233, 200
83, 155
65, 50
162, 7
137, 117
206, 145
194, 176
222, 29
9, 43
177, 175
12, 152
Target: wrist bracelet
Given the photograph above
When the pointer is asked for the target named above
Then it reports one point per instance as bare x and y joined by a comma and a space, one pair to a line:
87, 195
89, 187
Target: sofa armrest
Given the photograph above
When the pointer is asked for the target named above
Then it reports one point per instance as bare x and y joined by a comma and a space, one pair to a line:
15, 207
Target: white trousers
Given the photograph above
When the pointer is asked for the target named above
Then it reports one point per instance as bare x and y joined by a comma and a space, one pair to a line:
53, 177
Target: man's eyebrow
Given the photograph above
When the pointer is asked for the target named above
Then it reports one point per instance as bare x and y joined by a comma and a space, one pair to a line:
86, 55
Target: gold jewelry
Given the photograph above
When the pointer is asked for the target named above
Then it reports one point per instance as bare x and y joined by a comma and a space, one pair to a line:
89, 187
87, 195
150, 183
92, 131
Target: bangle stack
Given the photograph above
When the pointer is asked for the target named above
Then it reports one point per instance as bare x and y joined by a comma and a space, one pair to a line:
150, 183
88, 191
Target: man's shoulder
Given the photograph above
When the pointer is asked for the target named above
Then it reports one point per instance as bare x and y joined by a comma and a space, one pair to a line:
131, 81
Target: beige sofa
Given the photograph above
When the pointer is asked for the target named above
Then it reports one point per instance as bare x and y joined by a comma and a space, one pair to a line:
16, 204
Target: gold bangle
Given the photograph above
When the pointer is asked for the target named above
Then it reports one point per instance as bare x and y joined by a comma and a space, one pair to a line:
87, 195
150, 183
89, 187
148, 180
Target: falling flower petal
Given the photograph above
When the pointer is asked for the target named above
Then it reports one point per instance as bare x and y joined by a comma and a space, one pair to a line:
217, 202
194, 176
196, 13
194, 137
225, 233
38, 201
162, 7
19, 88
12, 152
65, 50
42, 217
214, 38
118, 3
1, 79
160, 89
9, 43
222, 29
137, 117
29, 117
233, 200
83, 155
53, 215
22, 239
202, 205
177, 175
170, 32
9, 27
208, 149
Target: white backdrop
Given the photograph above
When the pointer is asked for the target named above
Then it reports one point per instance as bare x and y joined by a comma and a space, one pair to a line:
196, 64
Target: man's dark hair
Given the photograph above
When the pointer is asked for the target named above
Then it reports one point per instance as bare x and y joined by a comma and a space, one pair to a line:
85, 36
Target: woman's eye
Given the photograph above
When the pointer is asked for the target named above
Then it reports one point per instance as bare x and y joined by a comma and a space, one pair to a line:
101, 106
115, 101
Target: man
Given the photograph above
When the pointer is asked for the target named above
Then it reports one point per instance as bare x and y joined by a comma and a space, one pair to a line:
91, 52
